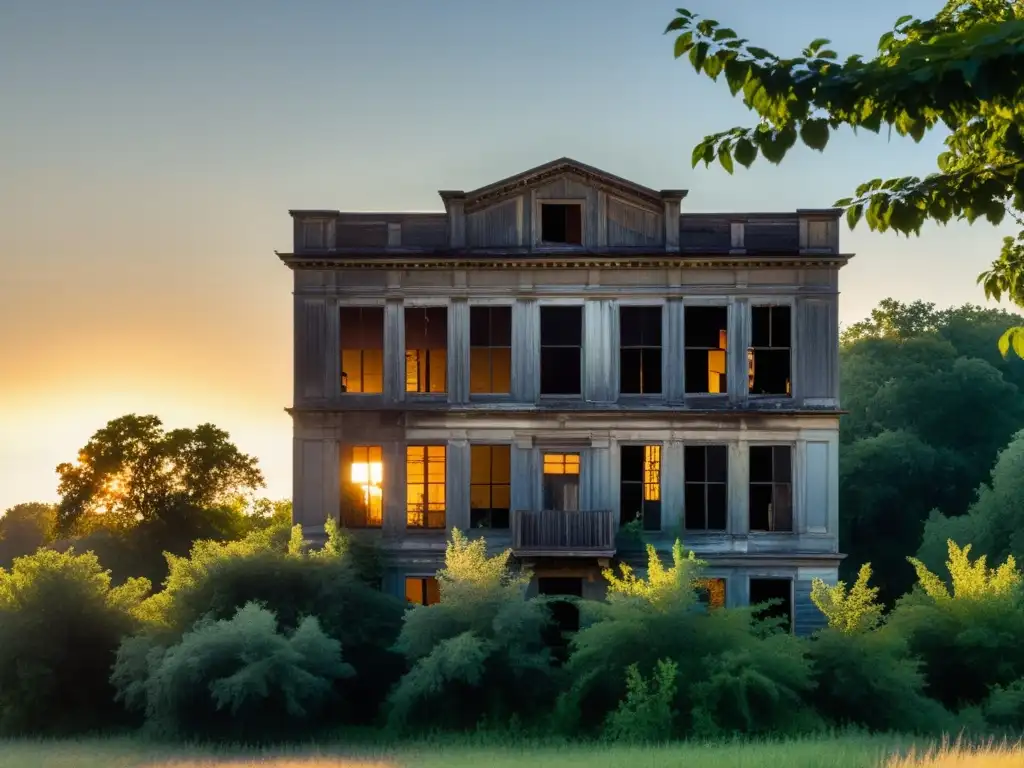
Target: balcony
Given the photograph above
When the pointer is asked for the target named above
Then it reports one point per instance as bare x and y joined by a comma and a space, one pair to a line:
556, 533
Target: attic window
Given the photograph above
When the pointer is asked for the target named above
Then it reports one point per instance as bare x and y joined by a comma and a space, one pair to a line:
561, 223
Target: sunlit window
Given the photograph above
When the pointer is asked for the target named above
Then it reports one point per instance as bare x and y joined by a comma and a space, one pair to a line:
362, 499
425, 486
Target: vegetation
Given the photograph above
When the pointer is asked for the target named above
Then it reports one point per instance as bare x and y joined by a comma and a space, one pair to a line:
962, 70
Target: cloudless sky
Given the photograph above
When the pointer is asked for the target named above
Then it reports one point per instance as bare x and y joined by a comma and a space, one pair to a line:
150, 150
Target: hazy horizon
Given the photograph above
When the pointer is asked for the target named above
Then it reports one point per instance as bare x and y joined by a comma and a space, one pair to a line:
156, 148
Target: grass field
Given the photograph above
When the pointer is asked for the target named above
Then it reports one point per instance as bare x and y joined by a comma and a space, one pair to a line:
842, 752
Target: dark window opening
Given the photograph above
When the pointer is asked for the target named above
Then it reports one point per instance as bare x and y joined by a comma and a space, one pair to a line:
561, 223
706, 476
561, 481
490, 469
771, 488
565, 615
362, 484
640, 486
781, 590
422, 590
706, 345
711, 592
561, 350
361, 336
425, 488
426, 349
769, 359
490, 350
640, 350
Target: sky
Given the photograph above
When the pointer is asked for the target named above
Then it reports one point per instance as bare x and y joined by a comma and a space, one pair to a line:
150, 151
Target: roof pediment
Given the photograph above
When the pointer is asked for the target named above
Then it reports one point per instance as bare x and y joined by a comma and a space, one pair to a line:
514, 185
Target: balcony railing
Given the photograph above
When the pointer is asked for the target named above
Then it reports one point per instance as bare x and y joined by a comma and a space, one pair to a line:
551, 532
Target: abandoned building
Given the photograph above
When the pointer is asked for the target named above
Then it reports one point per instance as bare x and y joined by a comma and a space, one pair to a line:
566, 363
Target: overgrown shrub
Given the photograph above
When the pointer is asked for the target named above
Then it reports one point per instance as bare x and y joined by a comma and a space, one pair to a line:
218, 579
730, 679
479, 653
864, 671
60, 626
645, 714
239, 678
969, 636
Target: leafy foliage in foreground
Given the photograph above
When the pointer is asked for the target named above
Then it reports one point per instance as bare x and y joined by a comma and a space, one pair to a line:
734, 675
60, 625
238, 678
963, 69
479, 652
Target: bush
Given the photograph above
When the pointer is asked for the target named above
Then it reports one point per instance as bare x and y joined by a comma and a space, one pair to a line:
730, 679
646, 714
60, 626
968, 637
864, 672
479, 654
218, 579
239, 678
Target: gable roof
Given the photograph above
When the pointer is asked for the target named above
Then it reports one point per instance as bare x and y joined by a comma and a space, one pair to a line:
514, 184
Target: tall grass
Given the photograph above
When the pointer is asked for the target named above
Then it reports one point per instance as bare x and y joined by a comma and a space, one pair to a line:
833, 752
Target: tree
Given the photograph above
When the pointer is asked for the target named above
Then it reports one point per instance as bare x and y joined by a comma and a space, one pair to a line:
24, 528
963, 69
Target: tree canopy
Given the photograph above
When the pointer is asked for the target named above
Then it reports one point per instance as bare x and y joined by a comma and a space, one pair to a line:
963, 70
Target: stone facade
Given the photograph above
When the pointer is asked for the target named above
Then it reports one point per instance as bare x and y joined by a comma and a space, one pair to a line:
559, 354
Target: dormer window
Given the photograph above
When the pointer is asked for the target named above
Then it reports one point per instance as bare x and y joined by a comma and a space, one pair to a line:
561, 223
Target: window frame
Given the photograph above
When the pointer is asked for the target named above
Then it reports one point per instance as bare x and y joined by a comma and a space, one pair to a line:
360, 305
771, 303
348, 450
426, 486
641, 304
705, 444
423, 578
561, 303
491, 305
661, 480
708, 302
491, 484
793, 473
538, 228
426, 304
560, 451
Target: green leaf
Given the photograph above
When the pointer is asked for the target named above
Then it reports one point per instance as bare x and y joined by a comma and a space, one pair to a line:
902, 20
698, 154
683, 43
745, 152
698, 53
854, 214
760, 53
1004, 341
815, 133
1018, 342
725, 158
736, 73
724, 34
677, 23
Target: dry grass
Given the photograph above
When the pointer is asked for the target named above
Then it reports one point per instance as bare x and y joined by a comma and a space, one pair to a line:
960, 755
315, 762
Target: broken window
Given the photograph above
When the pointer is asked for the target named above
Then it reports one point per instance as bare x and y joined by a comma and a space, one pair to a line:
361, 336
640, 485
561, 223
705, 340
771, 488
490, 488
640, 350
561, 350
362, 484
422, 590
425, 486
711, 592
706, 475
562, 481
426, 345
769, 356
779, 590
490, 350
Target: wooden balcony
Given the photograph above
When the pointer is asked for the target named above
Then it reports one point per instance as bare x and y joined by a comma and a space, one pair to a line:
555, 533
